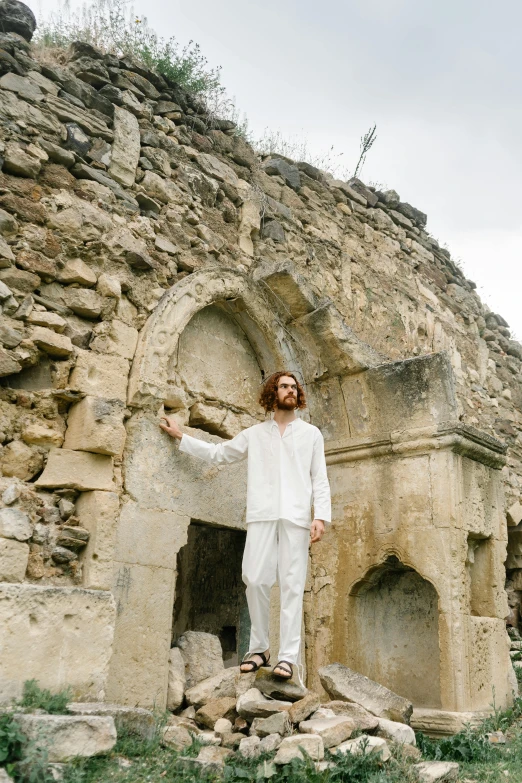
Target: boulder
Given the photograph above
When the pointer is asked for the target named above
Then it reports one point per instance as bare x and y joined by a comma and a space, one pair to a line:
290, 748
202, 654
131, 720
364, 720
270, 743
436, 771
300, 710
209, 759
177, 737
333, 731
17, 17
176, 684
252, 704
398, 732
209, 713
340, 682
287, 690
364, 745
249, 747
278, 723
223, 726
70, 736
222, 684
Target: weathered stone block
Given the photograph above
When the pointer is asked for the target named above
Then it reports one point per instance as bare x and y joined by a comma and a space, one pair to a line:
152, 538
38, 435
364, 720
115, 337
301, 709
125, 147
20, 461
436, 771
77, 470
340, 682
249, 747
15, 523
77, 271
96, 425
202, 654
398, 732
224, 683
252, 704
290, 748
100, 376
364, 745
14, 556
66, 624
131, 720
83, 301
514, 514
98, 513
54, 344
216, 709
333, 731
145, 597
177, 679
279, 723
70, 736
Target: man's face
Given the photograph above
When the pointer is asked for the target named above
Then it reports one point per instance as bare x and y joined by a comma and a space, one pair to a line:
286, 393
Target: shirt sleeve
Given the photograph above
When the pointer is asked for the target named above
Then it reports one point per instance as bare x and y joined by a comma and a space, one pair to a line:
320, 483
228, 451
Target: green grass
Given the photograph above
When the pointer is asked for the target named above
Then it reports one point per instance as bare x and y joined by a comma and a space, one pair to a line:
34, 697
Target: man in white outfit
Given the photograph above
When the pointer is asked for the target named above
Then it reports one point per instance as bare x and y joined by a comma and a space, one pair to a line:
286, 474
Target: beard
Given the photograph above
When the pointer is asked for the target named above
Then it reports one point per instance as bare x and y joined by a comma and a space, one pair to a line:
288, 404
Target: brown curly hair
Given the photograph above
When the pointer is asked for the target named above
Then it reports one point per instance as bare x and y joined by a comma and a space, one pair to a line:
268, 396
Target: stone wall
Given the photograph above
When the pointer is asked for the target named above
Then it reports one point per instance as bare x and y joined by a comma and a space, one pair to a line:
149, 260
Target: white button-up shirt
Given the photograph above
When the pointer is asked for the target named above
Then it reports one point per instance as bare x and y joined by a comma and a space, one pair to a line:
285, 473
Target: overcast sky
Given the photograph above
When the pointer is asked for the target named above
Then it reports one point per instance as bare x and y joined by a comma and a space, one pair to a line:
442, 80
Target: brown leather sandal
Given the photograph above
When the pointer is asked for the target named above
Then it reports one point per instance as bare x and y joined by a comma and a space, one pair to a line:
287, 667
255, 666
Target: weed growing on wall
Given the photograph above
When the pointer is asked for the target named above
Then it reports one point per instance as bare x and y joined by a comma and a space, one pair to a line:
113, 27
34, 697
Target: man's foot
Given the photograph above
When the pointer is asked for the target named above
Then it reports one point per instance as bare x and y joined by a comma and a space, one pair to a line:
283, 670
254, 662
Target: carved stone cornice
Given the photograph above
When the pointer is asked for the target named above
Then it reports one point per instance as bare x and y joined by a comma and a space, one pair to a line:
449, 435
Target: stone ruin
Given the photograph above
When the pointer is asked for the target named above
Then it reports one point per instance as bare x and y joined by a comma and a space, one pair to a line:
151, 262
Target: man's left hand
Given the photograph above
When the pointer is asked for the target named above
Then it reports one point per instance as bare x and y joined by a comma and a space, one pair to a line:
316, 530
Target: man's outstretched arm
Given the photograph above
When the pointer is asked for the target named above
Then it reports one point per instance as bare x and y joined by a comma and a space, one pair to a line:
228, 451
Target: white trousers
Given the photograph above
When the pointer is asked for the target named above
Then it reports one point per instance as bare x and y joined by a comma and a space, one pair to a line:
276, 551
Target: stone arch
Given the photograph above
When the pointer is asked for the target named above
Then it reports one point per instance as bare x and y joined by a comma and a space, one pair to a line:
284, 321
154, 374
393, 630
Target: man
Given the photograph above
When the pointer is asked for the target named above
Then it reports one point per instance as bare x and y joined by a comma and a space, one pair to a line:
286, 472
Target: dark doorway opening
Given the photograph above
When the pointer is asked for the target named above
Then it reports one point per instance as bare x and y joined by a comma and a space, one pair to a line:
210, 594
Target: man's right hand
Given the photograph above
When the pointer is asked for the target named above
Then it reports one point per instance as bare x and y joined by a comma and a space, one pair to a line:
171, 426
